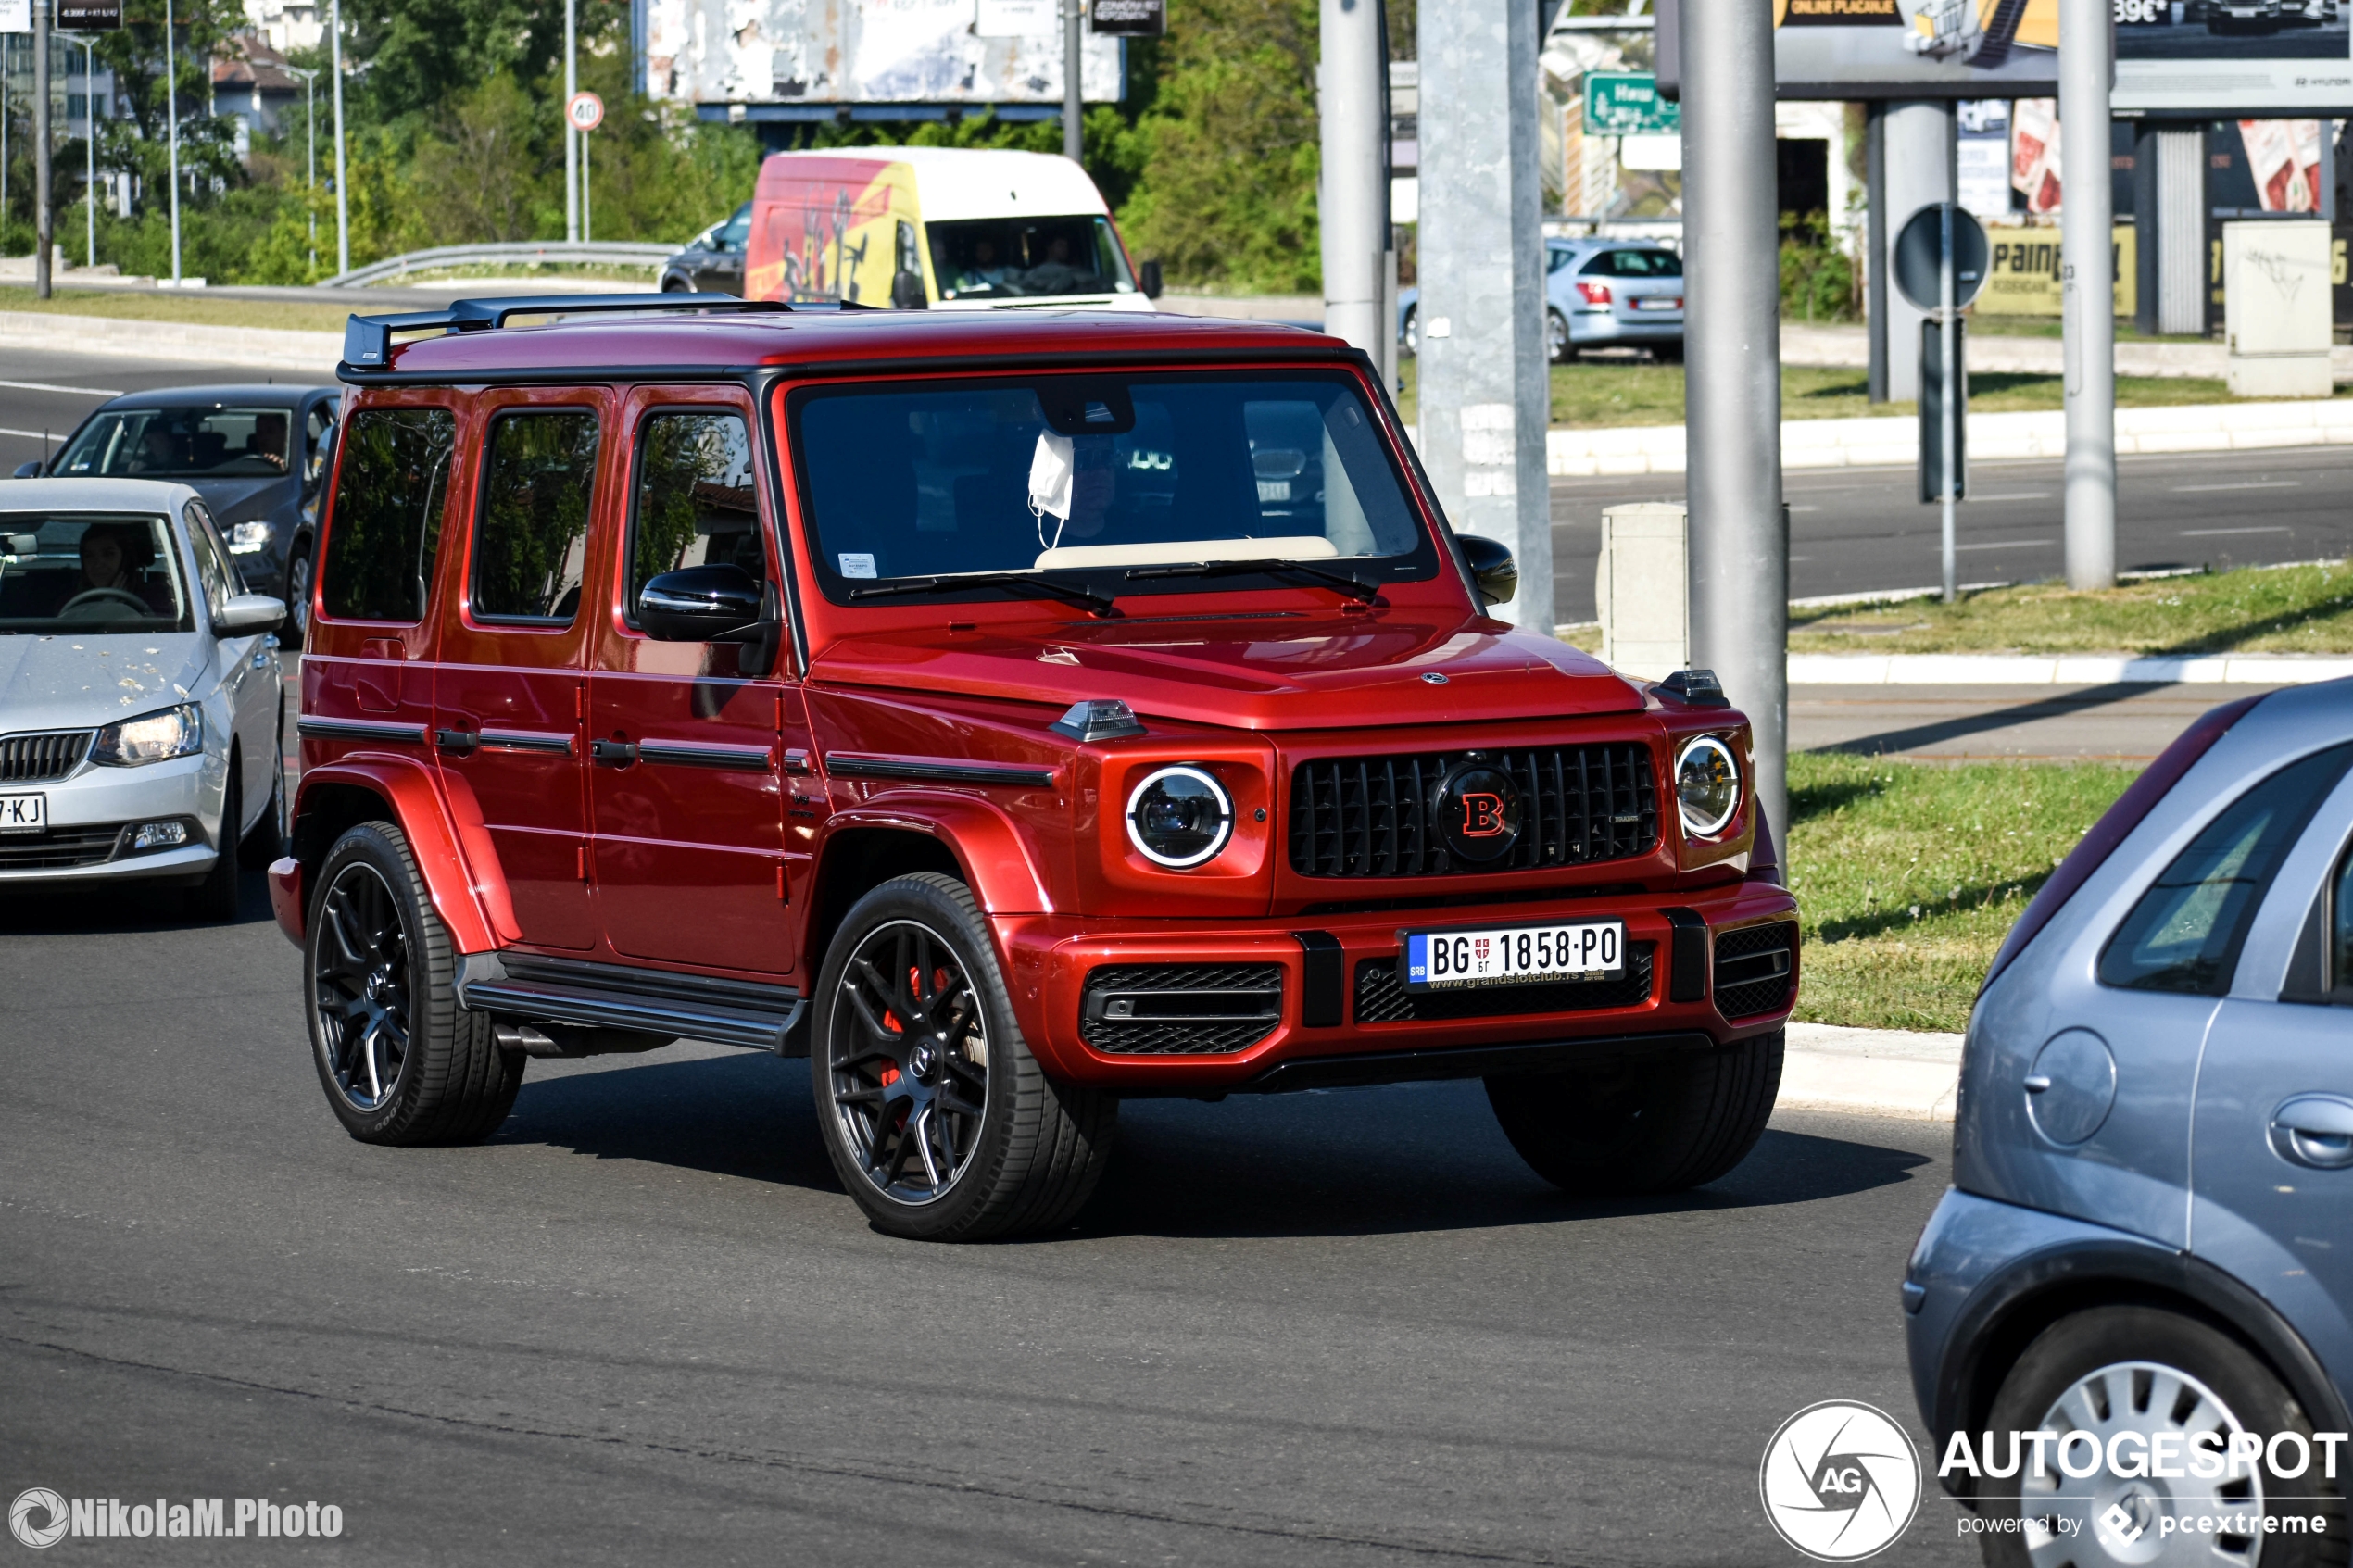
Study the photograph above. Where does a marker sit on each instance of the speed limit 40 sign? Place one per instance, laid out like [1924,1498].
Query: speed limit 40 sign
[585,110]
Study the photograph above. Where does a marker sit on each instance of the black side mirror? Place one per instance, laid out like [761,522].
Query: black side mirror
[30,470]
[1148,279]
[1491,566]
[906,291]
[700,604]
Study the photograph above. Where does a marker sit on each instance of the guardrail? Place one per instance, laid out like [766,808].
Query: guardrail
[570,253]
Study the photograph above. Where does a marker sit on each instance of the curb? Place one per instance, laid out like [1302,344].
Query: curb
[260,348]
[1849,348]
[2067,669]
[1895,440]
[1891,1073]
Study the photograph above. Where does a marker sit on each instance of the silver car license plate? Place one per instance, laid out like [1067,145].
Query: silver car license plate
[1518,955]
[23,813]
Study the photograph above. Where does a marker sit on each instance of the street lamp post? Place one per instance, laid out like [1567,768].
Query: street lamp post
[342,167]
[171,113]
[90,147]
[1074,100]
[44,220]
[571,137]
[310,150]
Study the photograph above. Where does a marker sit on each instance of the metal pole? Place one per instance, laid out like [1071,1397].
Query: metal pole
[1354,116]
[1875,279]
[90,148]
[44,220]
[1732,382]
[342,167]
[2087,259]
[171,112]
[1074,99]
[587,221]
[1948,394]
[310,156]
[571,137]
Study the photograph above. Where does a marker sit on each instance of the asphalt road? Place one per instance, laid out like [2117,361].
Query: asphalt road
[644,1322]
[1856,530]
[43,395]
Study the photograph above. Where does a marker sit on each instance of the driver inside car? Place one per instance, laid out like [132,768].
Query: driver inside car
[115,558]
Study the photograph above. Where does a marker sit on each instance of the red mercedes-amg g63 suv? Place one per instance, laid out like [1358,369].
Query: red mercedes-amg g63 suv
[1011,713]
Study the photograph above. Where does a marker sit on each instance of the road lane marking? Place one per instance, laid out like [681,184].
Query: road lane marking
[2219,533]
[2015,495]
[45,386]
[34,434]
[2007,545]
[2242,485]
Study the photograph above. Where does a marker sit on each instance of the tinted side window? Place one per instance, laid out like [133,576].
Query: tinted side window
[694,504]
[531,544]
[2185,933]
[2341,930]
[1557,259]
[385,525]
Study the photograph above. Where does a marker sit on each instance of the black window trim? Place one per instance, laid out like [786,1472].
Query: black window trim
[647,413]
[550,624]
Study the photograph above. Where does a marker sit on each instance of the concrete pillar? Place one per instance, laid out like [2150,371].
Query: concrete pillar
[1732,382]
[1352,203]
[2087,70]
[1920,149]
[2180,230]
[1485,394]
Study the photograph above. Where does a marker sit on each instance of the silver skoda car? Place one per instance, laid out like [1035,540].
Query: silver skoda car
[140,698]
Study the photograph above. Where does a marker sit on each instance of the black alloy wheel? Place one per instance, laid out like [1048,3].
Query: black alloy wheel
[910,1058]
[360,984]
[298,584]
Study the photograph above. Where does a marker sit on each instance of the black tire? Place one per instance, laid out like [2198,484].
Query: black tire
[267,839]
[1667,353]
[1654,1124]
[1409,333]
[215,898]
[300,572]
[1033,1156]
[1559,347]
[2076,1348]
[374,954]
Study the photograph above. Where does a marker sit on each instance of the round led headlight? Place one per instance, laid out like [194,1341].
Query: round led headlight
[1708,786]
[1179,817]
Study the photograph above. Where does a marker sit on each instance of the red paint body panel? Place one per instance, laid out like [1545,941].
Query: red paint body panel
[286,897]
[463,898]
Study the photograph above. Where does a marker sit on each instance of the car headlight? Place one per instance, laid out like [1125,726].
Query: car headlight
[1708,786]
[151,737]
[1179,817]
[248,537]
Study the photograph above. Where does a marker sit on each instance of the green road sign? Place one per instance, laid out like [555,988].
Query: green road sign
[1627,104]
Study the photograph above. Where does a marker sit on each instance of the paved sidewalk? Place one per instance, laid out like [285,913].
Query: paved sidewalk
[1850,348]
[1871,1072]
[1953,723]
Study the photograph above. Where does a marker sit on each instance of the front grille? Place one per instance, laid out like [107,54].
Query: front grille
[1382,997]
[1370,816]
[40,759]
[1753,968]
[1180,1009]
[58,848]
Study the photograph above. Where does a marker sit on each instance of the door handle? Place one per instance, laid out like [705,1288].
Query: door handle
[459,741]
[2314,1130]
[619,753]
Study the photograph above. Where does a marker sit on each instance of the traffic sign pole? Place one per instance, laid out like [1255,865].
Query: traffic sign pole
[1950,403]
[1939,265]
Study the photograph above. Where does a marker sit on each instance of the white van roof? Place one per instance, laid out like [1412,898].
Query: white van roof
[955,182]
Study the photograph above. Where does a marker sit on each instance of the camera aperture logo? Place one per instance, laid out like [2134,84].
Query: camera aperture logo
[40,1517]
[1841,1481]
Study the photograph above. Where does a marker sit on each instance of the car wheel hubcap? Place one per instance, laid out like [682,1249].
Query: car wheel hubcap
[909,1062]
[298,590]
[361,988]
[2104,1517]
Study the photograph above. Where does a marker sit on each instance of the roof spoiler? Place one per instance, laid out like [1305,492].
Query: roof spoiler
[367,339]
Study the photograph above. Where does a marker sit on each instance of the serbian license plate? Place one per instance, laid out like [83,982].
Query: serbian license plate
[1520,955]
[23,813]
[1659,302]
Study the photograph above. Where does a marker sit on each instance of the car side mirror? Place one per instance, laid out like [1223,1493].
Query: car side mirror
[247,613]
[1491,566]
[1148,279]
[699,604]
[906,291]
[30,470]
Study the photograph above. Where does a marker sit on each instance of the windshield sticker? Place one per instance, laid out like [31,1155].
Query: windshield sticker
[856,565]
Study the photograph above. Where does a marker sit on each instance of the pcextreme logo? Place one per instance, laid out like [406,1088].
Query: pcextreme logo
[1841,1481]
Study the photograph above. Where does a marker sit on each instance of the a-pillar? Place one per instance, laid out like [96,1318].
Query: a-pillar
[1484,390]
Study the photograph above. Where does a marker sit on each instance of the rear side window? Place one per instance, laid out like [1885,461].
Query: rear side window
[385,525]
[2341,929]
[1635,264]
[2185,933]
[694,505]
[531,545]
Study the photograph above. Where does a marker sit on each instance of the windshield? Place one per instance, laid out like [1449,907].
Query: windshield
[181,443]
[89,571]
[1105,475]
[1027,258]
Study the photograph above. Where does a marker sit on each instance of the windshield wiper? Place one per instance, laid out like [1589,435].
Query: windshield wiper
[1356,587]
[1073,592]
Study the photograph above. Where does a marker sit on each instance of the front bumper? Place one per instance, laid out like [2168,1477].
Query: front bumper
[92,814]
[1336,970]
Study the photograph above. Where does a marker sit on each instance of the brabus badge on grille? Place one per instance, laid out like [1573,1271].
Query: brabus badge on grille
[1477,809]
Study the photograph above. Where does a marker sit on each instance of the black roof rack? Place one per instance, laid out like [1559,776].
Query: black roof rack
[367,339]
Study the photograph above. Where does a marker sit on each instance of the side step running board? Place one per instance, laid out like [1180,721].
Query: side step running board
[764,1018]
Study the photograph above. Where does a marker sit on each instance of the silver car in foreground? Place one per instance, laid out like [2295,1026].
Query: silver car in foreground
[140,700]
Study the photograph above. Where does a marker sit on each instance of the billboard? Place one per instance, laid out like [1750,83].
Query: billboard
[2233,55]
[790,53]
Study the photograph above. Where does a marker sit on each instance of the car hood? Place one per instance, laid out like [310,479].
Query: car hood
[235,500]
[67,681]
[1337,673]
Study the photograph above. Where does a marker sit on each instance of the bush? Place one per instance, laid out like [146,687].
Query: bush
[1817,278]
